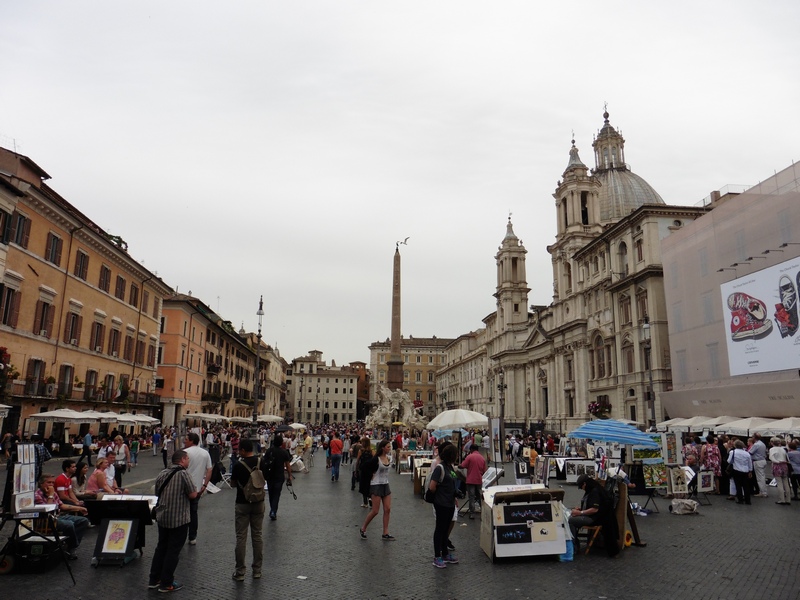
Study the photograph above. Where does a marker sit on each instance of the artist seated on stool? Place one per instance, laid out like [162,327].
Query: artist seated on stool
[589,511]
[71,520]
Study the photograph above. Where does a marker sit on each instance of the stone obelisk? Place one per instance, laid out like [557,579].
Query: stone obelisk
[395,362]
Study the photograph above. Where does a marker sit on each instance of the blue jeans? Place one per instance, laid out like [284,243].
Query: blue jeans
[165,557]
[73,527]
[336,460]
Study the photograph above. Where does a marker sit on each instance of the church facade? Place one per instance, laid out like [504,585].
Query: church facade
[601,346]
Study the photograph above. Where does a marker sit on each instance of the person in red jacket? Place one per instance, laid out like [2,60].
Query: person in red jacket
[475,465]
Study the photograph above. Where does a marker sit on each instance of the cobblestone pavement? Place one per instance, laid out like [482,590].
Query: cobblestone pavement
[313,550]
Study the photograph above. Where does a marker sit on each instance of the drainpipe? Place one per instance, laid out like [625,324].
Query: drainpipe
[63,296]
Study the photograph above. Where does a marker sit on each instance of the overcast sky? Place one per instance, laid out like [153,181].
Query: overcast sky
[282,148]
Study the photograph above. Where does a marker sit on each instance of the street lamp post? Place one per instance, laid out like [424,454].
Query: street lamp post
[257,382]
[649,355]
[300,407]
[501,396]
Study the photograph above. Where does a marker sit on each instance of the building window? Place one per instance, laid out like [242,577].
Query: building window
[9,306]
[419,359]
[568,369]
[430,376]
[639,251]
[43,319]
[418,377]
[5,227]
[641,305]
[81,265]
[72,328]
[119,290]
[53,251]
[145,300]
[140,351]
[133,298]
[20,230]
[128,354]
[623,260]
[625,310]
[97,337]
[110,389]
[627,357]
[599,359]
[156,307]
[105,279]
[151,355]
[113,342]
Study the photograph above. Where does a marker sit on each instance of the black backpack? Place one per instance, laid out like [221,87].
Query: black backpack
[270,460]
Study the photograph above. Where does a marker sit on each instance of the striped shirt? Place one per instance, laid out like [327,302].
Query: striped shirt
[173,505]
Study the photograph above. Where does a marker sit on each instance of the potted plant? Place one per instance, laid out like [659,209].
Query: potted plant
[600,409]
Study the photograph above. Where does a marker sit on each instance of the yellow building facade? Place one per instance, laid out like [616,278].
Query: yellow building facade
[79,316]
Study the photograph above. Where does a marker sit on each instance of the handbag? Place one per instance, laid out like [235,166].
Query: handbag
[729,468]
[430,495]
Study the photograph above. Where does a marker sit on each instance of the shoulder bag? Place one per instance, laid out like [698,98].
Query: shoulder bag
[154,510]
[729,468]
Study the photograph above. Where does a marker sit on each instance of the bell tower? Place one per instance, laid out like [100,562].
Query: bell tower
[512,286]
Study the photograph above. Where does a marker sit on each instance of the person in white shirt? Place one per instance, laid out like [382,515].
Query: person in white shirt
[199,469]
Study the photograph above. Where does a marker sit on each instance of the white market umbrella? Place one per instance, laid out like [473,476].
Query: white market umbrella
[787,425]
[297,426]
[665,424]
[137,419]
[103,417]
[60,415]
[712,422]
[4,408]
[205,417]
[743,426]
[240,420]
[269,418]
[690,424]
[458,418]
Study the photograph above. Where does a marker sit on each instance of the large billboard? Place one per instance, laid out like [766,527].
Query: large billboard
[761,313]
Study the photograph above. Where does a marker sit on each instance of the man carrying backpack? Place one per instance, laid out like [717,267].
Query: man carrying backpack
[277,460]
[249,475]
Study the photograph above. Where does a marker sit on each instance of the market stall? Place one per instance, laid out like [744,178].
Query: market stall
[522,520]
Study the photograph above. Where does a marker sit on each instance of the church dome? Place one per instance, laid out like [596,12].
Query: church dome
[622,190]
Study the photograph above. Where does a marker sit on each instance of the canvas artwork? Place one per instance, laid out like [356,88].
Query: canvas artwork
[678,480]
[671,445]
[562,447]
[649,455]
[705,481]
[27,476]
[572,468]
[655,476]
[118,534]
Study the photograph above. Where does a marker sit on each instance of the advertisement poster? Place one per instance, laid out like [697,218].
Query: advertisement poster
[760,312]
